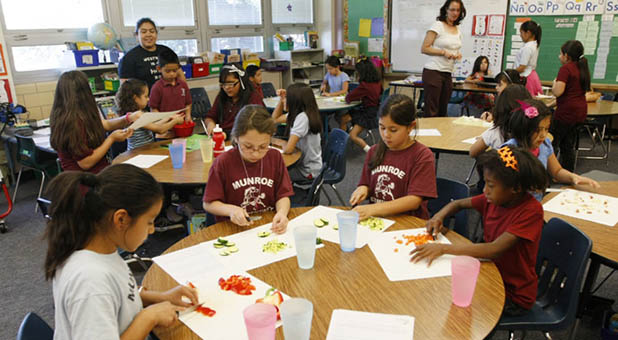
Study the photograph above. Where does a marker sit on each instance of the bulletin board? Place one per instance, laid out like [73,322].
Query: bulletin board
[372,14]
[598,33]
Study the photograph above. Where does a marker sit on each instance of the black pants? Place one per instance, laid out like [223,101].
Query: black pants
[438,87]
[565,135]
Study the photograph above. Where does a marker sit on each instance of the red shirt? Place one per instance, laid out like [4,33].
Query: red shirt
[517,265]
[231,110]
[69,162]
[402,173]
[166,97]
[265,182]
[368,93]
[572,107]
[258,89]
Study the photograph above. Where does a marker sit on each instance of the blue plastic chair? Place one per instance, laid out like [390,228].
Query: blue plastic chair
[268,89]
[449,190]
[334,160]
[563,253]
[201,103]
[34,328]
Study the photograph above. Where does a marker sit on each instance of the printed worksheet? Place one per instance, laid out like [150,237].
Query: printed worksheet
[145,161]
[586,206]
[189,264]
[354,325]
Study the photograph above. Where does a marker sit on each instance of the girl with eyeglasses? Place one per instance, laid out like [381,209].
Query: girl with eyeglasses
[236,92]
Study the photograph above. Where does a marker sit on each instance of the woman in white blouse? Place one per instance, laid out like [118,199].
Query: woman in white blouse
[442,44]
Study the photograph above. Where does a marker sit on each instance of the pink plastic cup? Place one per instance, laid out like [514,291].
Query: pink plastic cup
[183,142]
[260,319]
[465,270]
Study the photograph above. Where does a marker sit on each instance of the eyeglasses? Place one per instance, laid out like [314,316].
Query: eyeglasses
[228,85]
[260,149]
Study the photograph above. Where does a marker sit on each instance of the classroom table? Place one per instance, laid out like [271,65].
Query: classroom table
[457,86]
[604,244]
[356,281]
[604,110]
[194,171]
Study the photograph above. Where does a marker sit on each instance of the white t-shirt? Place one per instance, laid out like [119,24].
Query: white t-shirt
[309,144]
[95,297]
[528,55]
[445,41]
[492,137]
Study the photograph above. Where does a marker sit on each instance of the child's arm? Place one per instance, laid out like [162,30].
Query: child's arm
[278,113]
[435,224]
[406,203]
[98,153]
[477,148]
[290,146]
[558,88]
[344,90]
[280,221]
[120,122]
[160,314]
[188,117]
[173,295]
[163,127]
[236,214]
[472,79]
[563,175]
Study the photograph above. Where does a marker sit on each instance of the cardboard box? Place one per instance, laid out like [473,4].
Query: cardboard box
[233,58]
[246,63]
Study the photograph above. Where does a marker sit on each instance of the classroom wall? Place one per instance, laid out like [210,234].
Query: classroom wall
[37,98]
[325,24]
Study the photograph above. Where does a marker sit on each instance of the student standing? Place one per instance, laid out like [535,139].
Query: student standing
[399,173]
[570,87]
[442,44]
[526,58]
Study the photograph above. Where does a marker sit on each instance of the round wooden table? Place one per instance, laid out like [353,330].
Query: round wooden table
[452,135]
[603,108]
[356,281]
[194,170]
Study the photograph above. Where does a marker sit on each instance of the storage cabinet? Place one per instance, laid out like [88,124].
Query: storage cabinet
[306,66]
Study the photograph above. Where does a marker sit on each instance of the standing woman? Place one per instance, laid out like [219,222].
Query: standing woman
[442,44]
[526,58]
[142,60]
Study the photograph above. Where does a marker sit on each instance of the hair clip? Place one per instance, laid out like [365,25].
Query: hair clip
[529,110]
[241,73]
[506,154]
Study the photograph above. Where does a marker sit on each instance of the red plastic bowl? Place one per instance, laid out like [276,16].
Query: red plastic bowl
[184,130]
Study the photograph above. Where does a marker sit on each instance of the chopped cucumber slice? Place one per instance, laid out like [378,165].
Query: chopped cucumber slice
[320,222]
[335,226]
[230,244]
[232,249]
[224,253]
[263,234]
[221,240]
[218,245]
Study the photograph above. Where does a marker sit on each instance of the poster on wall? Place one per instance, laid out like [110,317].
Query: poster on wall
[3,71]
[5,91]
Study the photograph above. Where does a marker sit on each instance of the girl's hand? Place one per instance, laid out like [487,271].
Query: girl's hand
[429,251]
[359,195]
[178,119]
[580,180]
[281,93]
[364,211]
[434,226]
[240,216]
[121,135]
[163,313]
[280,223]
[210,127]
[133,116]
[449,55]
[487,116]
[175,295]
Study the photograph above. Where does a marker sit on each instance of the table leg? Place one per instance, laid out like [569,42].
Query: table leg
[437,159]
[591,276]
[9,160]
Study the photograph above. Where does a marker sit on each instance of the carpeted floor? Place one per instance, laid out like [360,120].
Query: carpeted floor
[22,250]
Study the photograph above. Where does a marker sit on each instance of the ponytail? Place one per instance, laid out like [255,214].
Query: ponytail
[81,201]
[575,51]
[535,29]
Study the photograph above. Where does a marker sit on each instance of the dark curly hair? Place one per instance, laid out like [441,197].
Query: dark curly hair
[124,97]
[444,8]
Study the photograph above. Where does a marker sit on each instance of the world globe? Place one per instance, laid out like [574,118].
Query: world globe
[102,35]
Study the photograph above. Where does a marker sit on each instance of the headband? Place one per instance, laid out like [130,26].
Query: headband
[241,73]
[529,110]
[507,77]
[509,160]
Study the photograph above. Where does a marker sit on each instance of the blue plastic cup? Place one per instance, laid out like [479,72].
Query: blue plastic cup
[176,154]
[348,223]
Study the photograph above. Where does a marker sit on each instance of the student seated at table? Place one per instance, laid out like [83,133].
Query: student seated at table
[236,92]
[302,129]
[254,73]
[504,79]
[480,70]
[528,127]
[251,177]
[335,82]
[132,96]
[78,128]
[399,173]
[95,293]
[512,221]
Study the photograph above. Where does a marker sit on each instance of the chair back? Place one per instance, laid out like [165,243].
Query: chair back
[34,328]
[27,152]
[385,94]
[58,165]
[449,190]
[352,86]
[268,89]
[563,253]
[44,205]
[201,103]
[334,156]
[313,196]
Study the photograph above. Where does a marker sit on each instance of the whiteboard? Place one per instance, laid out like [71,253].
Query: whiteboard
[410,20]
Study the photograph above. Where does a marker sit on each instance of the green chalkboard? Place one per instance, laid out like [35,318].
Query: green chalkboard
[363,9]
[556,31]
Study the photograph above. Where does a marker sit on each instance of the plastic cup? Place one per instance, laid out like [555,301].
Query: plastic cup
[348,223]
[296,314]
[176,154]
[206,149]
[260,319]
[465,270]
[183,142]
[304,238]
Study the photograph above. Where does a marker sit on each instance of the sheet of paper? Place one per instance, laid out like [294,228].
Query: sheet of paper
[228,322]
[394,257]
[375,44]
[43,131]
[151,117]
[355,325]
[471,121]
[364,28]
[189,264]
[377,27]
[426,132]
[250,254]
[363,235]
[471,140]
[586,206]
[145,161]
[40,140]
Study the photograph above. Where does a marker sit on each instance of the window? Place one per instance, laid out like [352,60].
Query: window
[254,43]
[292,11]
[234,12]
[35,58]
[185,47]
[51,14]
[163,13]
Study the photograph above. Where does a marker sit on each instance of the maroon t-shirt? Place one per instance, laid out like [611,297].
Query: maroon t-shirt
[231,110]
[166,97]
[368,93]
[517,265]
[265,182]
[411,171]
[571,105]
[69,162]
[258,89]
